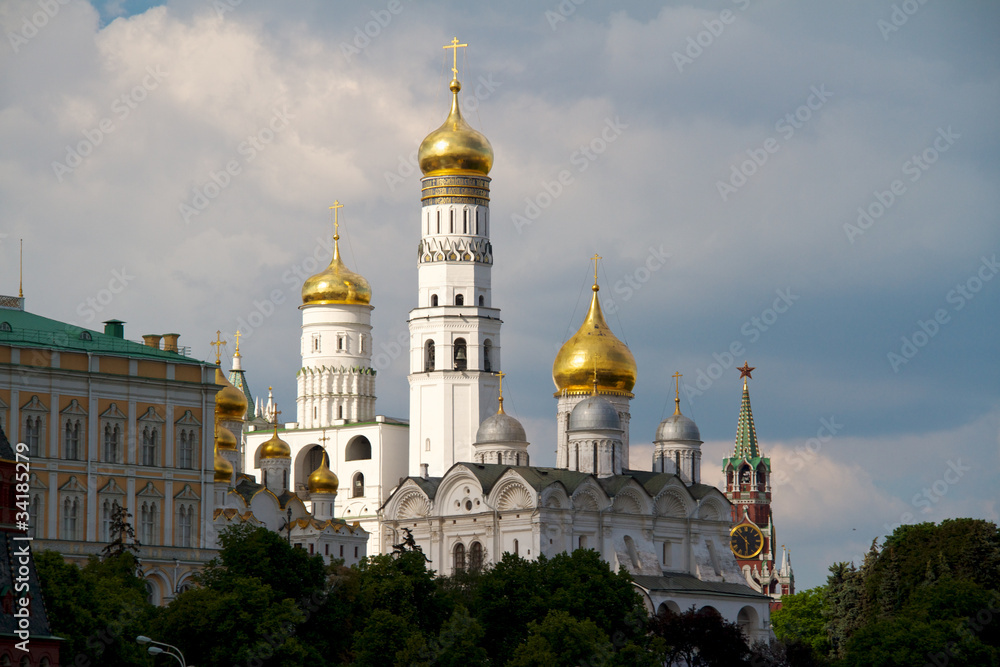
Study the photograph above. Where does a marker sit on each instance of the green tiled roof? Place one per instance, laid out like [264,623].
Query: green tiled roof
[681,582]
[30,330]
[238,378]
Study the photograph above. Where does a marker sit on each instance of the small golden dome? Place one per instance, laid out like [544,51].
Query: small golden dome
[230,403]
[594,348]
[276,448]
[455,148]
[223,469]
[336,284]
[322,479]
[224,439]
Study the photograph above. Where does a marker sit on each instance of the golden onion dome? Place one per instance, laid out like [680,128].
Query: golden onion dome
[276,448]
[336,284]
[455,148]
[594,349]
[224,439]
[230,403]
[322,479]
[223,469]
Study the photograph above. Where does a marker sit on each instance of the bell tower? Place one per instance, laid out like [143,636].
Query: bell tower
[454,330]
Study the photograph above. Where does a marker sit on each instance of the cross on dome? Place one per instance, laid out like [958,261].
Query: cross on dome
[454,46]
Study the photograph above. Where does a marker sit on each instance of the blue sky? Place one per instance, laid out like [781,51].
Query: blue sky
[740,139]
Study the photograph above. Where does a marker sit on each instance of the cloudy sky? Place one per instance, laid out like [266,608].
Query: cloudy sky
[820,180]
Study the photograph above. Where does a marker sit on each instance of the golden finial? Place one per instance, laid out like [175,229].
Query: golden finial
[677,392]
[336,219]
[454,46]
[276,414]
[745,372]
[238,334]
[596,357]
[217,344]
[595,258]
[500,375]
[20,273]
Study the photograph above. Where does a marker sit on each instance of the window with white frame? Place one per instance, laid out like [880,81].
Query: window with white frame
[112,443]
[147,524]
[72,521]
[32,432]
[185,523]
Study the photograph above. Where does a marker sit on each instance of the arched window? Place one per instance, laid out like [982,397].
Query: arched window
[459,555]
[459,299]
[429,356]
[32,431]
[71,509]
[482,300]
[761,478]
[633,553]
[72,450]
[476,557]
[112,435]
[451,218]
[5,326]
[147,519]
[477,220]
[185,518]
[340,412]
[745,475]
[34,516]
[461,355]
[358,486]
[148,446]
[434,300]
[465,221]
[515,548]
[358,449]
[185,453]
[487,354]
[439,222]
[106,509]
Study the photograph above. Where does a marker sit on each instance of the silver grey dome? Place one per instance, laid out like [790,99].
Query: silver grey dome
[501,427]
[594,413]
[677,427]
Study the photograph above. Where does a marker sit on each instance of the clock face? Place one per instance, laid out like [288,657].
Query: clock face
[746,541]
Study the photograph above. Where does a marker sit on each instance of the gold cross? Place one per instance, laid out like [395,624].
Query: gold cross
[277,413]
[595,258]
[238,334]
[454,61]
[324,438]
[217,344]
[336,221]
[677,380]
[501,375]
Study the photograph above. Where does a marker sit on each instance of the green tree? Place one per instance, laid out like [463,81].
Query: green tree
[560,640]
[699,639]
[123,535]
[98,609]
[800,619]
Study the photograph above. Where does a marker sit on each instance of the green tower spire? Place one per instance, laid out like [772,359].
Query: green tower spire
[746,433]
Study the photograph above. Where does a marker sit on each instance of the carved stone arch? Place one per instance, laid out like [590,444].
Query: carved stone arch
[627,501]
[711,510]
[413,505]
[670,503]
[554,497]
[585,499]
[514,496]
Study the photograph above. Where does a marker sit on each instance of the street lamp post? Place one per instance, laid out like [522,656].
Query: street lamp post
[172,651]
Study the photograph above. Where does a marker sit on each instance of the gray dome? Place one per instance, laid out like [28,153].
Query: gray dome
[594,413]
[501,427]
[677,427]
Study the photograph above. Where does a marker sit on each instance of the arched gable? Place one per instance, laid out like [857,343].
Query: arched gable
[590,496]
[554,496]
[459,492]
[713,508]
[513,495]
[632,499]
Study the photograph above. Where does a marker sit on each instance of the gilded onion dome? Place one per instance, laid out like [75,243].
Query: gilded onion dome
[455,148]
[223,469]
[322,479]
[230,403]
[336,284]
[225,441]
[276,448]
[594,348]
